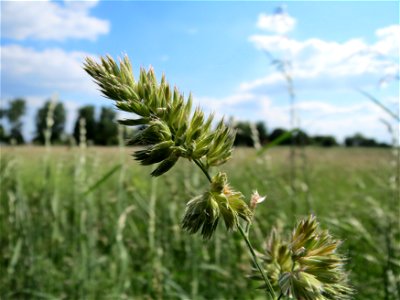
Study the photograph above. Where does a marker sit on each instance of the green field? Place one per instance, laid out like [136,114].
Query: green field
[67,234]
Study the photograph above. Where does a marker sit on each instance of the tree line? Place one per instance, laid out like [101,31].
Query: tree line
[51,117]
[249,134]
[102,129]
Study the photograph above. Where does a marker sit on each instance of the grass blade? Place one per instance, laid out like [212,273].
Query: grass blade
[102,179]
[377,102]
[15,257]
[277,141]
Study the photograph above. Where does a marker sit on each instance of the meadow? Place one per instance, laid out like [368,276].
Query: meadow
[93,224]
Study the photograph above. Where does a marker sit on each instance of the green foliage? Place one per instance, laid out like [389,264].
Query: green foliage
[282,135]
[15,136]
[324,141]
[358,140]
[16,109]
[3,136]
[172,130]
[3,113]
[56,243]
[57,119]
[102,131]
[88,113]
[106,128]
[243,135]
[289,137]
[262,132]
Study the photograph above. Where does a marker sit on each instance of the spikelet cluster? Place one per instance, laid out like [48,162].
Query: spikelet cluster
[172,130]
[307,266]
[203,212]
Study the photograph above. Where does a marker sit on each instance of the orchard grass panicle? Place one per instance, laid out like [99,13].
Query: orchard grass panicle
[172,131]
[220,200]
[306,267]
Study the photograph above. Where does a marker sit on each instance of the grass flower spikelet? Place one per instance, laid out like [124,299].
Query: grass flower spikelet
[203,212]
[307,266]
[172,130]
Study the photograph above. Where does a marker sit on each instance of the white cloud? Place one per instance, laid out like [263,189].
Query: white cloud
[316,117]
[279,22]
[316,63]
[219,104]
[25,69]
[388,43]
[47,20]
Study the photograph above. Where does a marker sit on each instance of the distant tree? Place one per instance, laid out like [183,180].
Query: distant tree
[278,132]
[384,145]
[3,135]
[324,141]
[301,138]
[107,128]
[88,113]
[16,136]
[262,132]
[58,117]
[358,140]
[243,135]
[16,109]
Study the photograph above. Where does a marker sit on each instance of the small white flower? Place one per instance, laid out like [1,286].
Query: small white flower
[256,199]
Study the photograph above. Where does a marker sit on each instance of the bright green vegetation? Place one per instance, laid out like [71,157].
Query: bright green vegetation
[94,224]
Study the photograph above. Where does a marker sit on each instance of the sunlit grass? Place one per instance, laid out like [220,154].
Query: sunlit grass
[57,242]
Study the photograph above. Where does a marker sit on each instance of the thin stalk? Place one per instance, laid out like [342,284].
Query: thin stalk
[269,288]
[152,215]
[247,229]
[201,166]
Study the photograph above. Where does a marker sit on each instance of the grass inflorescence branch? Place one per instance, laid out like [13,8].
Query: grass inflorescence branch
[307,267]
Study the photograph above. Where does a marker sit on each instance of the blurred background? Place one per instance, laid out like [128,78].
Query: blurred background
[311,87]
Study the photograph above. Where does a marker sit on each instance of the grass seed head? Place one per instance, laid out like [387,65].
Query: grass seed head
[165,113]
[307,265]
[203,212]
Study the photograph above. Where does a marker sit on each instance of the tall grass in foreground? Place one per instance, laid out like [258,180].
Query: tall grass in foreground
[58,243]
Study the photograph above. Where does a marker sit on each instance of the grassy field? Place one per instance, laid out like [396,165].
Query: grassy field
[67,234]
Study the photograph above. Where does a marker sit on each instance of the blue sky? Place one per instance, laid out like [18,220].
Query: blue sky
[216,50]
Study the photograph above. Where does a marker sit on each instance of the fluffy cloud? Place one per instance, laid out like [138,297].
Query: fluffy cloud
[280,22]
[320,64]
[317,117]
[315,64]
[25,70]
[47,20]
